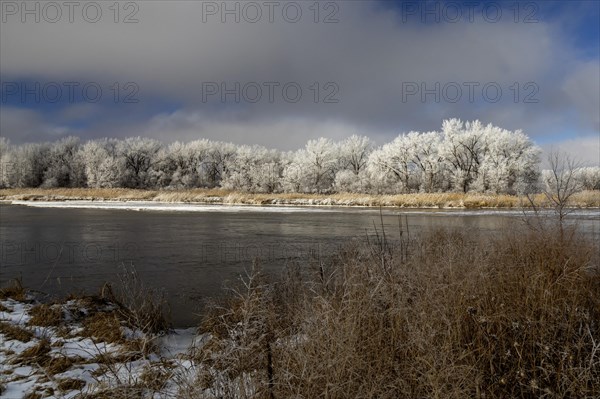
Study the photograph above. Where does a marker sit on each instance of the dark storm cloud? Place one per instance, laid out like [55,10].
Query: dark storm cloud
[366,64]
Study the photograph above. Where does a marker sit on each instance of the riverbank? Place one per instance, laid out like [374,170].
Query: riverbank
[585,199]
[85,346]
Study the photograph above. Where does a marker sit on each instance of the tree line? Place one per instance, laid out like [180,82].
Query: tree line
[462,156]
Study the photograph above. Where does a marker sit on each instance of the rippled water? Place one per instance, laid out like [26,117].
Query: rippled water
[192,250]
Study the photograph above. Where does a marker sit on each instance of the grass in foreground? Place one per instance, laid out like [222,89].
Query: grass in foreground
[80,347]
[452,316]
[217,196]
[445,314]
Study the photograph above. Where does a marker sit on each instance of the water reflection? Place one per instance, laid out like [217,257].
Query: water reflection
[192,254]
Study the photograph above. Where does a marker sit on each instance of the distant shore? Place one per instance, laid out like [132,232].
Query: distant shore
[585,199]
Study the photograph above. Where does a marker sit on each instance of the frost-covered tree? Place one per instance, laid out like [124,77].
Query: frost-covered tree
[254,169]
[193,158]
[463,156]
[5,165]
[411,162]
[381,172]
[427,159]
[165,171]
[220,159]
[463,148]
[588,177]
[139,155]
[65,167]
[353,154]
[313,168]
[292,176]
[103,167]
[510,162]
[347,181]
[26,165]
[393,163]
[183,165]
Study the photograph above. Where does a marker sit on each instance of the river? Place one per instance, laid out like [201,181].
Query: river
[191,251]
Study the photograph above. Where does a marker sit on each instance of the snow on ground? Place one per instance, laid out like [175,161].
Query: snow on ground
[62,360]
[158,206]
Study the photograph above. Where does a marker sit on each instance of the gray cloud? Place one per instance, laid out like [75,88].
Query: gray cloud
[24,125]
[582,89]
[370,54]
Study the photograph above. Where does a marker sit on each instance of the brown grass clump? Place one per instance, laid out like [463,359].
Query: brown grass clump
[154,378]
[15,332]
[121,392]
[454,316]
[586,199]
[70,384]
[103,326]
[16,291]
[241,337]
[139,347]
[59,365]
[46,316]
[141,307]
[37,354]
[48,194]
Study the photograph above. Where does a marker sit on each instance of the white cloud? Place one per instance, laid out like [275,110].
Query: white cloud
[585,150]
[286,134]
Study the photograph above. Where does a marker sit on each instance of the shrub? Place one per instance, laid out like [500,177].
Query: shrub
[455,315]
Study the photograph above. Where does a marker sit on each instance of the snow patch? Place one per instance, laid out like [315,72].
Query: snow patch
[169,207]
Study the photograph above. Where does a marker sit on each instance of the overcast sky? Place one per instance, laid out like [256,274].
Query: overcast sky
[286,72]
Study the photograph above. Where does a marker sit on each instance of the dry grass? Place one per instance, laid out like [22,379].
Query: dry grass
[141,307]
[588,198]
[218,196]
[59,365]
[103,319]
[122,392]
[454,316]
[70,384]
[16,291]
[15,332]
[41,194]
[103,327]
[134,305]
[46,315]
[139,347]
[154,378]
[35,355]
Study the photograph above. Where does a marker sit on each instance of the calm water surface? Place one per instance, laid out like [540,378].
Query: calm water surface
[191,254]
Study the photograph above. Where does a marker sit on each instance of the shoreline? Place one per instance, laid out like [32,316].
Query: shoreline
[585,199]
[153,206]
[77,346]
